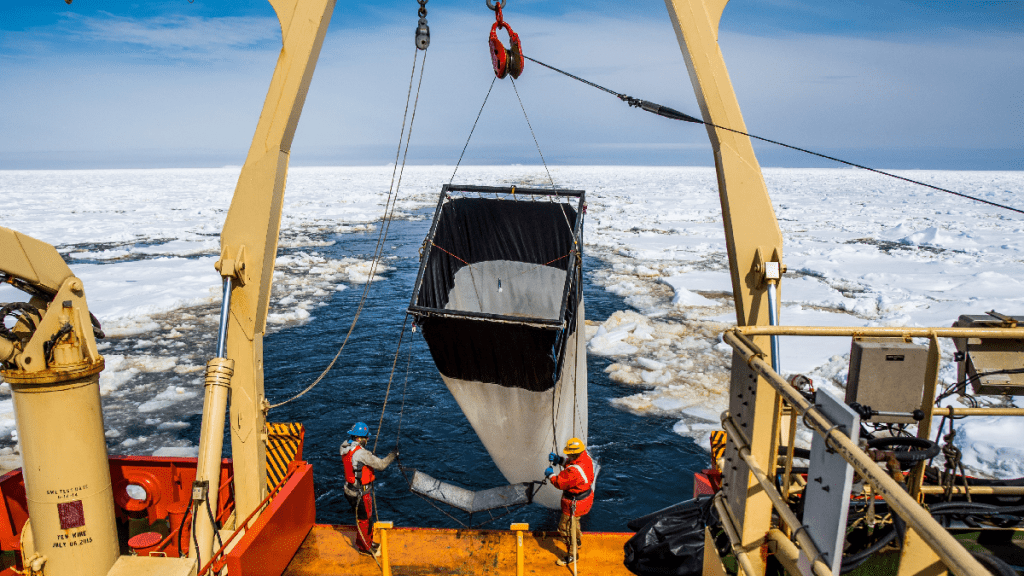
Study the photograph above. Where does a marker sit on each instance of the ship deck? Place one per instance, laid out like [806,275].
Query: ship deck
[425,551]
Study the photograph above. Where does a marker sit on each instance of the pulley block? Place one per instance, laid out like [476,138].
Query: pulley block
[506,61]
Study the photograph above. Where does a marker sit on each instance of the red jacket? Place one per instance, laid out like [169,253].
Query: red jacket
[576,481]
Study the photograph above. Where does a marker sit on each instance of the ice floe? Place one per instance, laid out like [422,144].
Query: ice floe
[861,250]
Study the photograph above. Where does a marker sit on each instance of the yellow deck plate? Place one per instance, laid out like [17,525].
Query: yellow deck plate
[425,551]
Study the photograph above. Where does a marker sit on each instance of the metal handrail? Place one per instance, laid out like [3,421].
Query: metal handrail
[948,549]
[743,449]
[882,331]
[225,512]
[244,526]
[729,525]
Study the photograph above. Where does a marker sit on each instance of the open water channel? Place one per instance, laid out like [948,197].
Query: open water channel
[644,465]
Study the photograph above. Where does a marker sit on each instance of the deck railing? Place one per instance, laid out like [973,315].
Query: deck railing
[944,546]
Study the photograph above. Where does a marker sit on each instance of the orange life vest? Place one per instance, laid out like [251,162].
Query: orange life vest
[354,471]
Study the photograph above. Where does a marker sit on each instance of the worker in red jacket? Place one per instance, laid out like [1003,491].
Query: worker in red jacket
[576,483]
[360,464]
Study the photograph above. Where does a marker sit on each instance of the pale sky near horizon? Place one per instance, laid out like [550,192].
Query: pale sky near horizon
[893,84]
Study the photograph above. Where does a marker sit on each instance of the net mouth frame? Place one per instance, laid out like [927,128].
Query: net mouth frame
[511,194]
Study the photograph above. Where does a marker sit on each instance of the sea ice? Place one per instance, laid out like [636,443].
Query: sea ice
[861,250]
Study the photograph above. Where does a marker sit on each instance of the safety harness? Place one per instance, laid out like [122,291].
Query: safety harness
[358,477]
[576,496]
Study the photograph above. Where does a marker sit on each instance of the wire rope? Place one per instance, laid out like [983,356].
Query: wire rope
[391,378]
[389,212]
[676,115]
[491,87]
[530,126]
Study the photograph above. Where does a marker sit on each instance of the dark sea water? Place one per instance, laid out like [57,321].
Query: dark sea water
[644,465]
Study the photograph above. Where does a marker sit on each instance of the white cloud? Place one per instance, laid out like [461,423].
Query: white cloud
[191,83]
[178,35]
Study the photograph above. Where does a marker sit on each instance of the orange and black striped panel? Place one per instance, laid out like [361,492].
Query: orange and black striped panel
[284,444]
[718,441]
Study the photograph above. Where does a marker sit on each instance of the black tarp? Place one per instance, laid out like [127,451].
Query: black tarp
[472,230]
[521,347]
[670,542]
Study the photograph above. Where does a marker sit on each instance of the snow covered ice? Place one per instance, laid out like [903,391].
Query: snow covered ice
[861,250]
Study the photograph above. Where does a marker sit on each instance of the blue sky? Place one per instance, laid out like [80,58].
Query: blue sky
[893,84]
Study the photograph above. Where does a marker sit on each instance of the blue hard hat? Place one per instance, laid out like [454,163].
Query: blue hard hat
[359,429]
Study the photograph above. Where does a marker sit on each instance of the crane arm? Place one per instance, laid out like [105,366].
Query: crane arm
[753,241]
[30,263]
[54,335]
[248,251]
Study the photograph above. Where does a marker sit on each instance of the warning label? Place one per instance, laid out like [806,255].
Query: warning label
[71,515]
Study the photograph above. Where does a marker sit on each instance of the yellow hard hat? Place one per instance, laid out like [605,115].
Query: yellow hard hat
[574,446]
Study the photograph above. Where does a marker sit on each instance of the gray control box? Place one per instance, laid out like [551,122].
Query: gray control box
[991,365]
[887,374]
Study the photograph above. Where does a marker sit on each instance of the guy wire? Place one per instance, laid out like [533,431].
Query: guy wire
[676,115]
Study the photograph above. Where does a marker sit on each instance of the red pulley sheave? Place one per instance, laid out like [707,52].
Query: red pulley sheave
[509,60]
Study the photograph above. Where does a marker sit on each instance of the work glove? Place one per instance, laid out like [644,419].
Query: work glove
[392,454]
[549,471]
[552,457]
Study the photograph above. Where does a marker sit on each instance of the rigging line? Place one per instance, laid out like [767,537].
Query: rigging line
[391,378]
[554,405]
[676,115]
[531,132]
[572,232]
[450,254]
[862,167]
[408,136]
[452,179]
[405,388]
[576,352]
[381,239]
[386,224]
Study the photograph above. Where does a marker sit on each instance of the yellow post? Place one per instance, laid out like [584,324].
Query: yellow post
[712,561]
[917,558]
[381,528]
[520,561]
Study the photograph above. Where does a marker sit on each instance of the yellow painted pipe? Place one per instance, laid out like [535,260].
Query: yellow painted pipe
[881,331]
[729,524]
[977,490]
[211,445]
[786,552]
[951,411]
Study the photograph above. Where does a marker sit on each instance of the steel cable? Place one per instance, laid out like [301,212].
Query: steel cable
[389,213]
[676,115]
